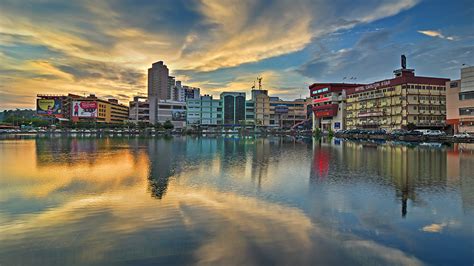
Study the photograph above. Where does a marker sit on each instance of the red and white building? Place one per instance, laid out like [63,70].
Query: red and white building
[329,104]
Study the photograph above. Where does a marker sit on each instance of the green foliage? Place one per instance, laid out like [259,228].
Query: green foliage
[168,125]
[317,132]
[411,126]
[330,133]
[158,126]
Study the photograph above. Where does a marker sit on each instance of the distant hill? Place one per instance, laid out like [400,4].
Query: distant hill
[21,113]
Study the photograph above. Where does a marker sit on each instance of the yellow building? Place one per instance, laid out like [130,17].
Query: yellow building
[396,103]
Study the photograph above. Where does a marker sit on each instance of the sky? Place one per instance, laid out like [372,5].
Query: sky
[105,47]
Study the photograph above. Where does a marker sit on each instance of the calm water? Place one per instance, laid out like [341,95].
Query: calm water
[228,201]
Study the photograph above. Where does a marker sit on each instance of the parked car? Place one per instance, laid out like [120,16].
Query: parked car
[462,135]
[414,133]
[435,133]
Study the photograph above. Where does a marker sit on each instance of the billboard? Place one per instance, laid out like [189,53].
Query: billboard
[178,115]
[48,106]
[84,109]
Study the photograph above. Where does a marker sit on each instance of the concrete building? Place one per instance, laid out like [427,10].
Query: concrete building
[329,105]
[288,114]
[460,102]
[172,111]
[158,81]
[404,101]
[261,107]
[77,108]
[204,112]
[233,107]
[158,88]
[139,110]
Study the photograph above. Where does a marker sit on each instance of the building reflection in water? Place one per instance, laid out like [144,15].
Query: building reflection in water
[406,168]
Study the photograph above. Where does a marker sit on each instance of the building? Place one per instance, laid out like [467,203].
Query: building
[139,110]
[204,112]
[233,107]
[288,114]
[182,93]
[261,107]
[460,102]
[158,81]
[77,108]
[401,102]
[172,111]
[158,88]
[329,105]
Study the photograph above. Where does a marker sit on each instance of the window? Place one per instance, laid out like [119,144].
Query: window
[466,111]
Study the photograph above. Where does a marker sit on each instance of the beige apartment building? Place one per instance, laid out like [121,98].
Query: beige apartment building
[406,100]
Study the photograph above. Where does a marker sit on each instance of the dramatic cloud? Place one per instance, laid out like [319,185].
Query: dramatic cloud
[438,34]
[105,47]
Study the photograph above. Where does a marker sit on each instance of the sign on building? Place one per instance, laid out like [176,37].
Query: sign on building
[48,106]
[84,109]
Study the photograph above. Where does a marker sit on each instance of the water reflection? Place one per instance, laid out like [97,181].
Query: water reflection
[204,200]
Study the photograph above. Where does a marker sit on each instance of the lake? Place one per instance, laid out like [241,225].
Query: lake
[234,201]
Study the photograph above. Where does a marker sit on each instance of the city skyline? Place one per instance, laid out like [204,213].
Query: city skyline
[106,48]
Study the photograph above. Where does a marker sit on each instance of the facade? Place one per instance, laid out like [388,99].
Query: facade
[139,110]
[233,107]
[329,105]
[172,111]
[460,102]
[205,111]
[158,88]
[77,108]
[158,81]
[261,107]
[287,114]
[404,101]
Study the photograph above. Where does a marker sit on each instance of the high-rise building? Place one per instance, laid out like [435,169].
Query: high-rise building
[158,81]
[158,88]
[460,102]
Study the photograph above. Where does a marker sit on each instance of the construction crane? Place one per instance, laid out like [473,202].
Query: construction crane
[259,79]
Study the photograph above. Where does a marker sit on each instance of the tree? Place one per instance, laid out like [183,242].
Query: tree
[411,126]
[168,125]
[158,126]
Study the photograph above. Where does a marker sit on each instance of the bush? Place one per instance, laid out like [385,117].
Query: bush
[168,125]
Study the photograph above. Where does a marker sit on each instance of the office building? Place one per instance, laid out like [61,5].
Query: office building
[460,102]
[204,112]
[233,107]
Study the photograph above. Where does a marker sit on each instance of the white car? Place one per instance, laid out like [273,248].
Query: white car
[462,135]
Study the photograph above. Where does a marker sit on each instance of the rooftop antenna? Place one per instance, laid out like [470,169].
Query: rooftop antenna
[253,87]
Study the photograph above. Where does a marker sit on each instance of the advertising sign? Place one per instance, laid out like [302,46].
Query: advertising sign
[321,100]
[84,109]
[48,106]
[178,115]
